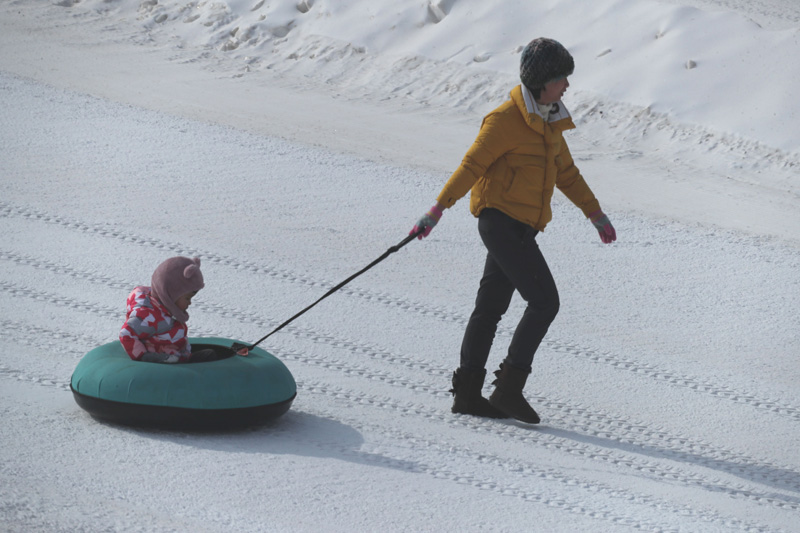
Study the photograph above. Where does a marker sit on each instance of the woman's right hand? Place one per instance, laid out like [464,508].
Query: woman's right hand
[427,222]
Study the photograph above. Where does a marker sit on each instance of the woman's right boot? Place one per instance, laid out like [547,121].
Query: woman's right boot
[467,385]
[508,398]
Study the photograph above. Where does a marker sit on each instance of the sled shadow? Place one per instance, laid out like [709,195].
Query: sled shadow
[295,433]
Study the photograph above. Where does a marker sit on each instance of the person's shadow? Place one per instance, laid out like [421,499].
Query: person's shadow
[761,473]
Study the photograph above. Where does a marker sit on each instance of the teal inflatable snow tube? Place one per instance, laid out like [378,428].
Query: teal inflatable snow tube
[234,391]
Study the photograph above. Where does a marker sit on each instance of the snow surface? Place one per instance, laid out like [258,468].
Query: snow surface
[290,143]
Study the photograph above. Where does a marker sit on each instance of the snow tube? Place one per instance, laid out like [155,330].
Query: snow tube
[235,391]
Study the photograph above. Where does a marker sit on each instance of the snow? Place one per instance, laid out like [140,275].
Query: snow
[290,143]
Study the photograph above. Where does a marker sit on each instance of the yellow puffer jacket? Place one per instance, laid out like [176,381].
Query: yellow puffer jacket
[516,162]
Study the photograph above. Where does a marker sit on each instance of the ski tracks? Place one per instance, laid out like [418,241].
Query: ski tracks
[524,480]
[611,360]
[519,479]
[597,437]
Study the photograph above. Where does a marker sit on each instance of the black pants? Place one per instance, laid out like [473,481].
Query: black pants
[514,262]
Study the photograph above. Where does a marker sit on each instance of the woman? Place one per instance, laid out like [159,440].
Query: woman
[511,169]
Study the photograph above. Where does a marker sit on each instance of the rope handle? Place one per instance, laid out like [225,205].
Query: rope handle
[243,349]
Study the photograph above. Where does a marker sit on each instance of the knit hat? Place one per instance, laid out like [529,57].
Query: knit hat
[544,60]
[172,279]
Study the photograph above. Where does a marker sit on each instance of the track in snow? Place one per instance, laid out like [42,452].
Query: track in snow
[616,442]
[694,383]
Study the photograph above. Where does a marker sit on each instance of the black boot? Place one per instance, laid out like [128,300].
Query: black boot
[508,398]
[467,385]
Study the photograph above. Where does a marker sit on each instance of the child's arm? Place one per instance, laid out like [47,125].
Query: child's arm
[134,339]
[134,334]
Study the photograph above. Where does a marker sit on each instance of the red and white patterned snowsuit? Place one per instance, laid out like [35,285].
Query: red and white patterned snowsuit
[149,328]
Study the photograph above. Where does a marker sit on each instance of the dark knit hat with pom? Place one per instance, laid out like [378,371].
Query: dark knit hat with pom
[174,278]
[544,60]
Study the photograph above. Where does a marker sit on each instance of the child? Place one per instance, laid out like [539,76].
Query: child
[519,157]
[155,323]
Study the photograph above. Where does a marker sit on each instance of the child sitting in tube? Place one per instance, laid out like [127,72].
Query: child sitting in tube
[155,328]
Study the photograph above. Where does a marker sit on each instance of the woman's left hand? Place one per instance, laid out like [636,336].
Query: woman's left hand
[607,232]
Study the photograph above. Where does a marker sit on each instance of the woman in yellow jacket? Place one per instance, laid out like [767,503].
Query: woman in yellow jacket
[511,169]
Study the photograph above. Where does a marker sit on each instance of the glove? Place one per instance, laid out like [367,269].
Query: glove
[604,227]
[428,221]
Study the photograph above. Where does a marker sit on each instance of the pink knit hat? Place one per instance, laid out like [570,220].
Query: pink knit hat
[172,279]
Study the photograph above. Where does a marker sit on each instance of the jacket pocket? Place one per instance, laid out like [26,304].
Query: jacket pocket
[527,186]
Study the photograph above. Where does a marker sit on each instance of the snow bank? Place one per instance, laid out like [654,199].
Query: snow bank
[716,70]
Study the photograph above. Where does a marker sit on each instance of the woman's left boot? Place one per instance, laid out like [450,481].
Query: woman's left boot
[508,398]
[467,385]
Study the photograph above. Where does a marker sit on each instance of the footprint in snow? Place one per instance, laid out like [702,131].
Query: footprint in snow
[439,9]
[304,6]
[280,31]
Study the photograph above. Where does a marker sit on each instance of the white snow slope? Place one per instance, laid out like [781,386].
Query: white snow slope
[290,143]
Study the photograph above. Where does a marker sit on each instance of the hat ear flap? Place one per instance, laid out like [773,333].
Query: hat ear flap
[192,268]
[190,271]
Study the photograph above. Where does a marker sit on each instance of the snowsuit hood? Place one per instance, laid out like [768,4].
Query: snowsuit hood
[172,279]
